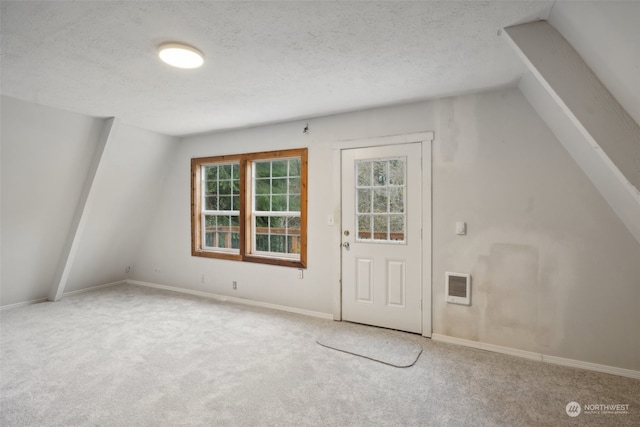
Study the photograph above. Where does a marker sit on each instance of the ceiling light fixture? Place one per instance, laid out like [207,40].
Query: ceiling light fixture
[181,55]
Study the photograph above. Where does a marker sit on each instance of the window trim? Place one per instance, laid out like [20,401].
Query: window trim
[245,251]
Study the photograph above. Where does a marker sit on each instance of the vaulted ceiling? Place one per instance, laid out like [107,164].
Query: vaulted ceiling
[265,62]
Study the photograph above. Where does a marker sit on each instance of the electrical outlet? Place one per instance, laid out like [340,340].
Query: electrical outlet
[235,285]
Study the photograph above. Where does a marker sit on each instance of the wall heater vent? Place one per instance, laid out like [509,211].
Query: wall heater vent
[458,288]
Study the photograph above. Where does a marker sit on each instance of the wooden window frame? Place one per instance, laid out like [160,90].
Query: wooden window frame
[246,251]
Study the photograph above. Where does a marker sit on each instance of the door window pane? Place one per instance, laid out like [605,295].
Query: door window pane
[380,199]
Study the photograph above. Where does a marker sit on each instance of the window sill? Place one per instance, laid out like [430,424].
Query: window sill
[284,262]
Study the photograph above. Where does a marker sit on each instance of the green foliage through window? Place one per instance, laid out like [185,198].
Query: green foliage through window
[277,186]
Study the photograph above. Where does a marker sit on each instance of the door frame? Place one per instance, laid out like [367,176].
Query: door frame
[425,139]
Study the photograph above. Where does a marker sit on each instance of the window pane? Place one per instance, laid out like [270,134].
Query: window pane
[262,242]
[211,188]
[223,222]
[363,172]
[208,239]
[263,169]
[380,227]
[224,187]
[236,171]
[294,185]
[294,203]
[396,200]
[293,225]
[262,221]
[396,227]
[277,222]
[294,167]
[263,186]
[396,172]
[279,168]
[211,203]
[293,244]
[364,200]
[279,186]
[222,241]
[277,244]
[211,173]
[364,226]
[224,203]
[379,173]
[279,203]
[236,203]
[380,200]
[224,172]
[263,204]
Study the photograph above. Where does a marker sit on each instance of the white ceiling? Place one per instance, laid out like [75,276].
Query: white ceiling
[264,61]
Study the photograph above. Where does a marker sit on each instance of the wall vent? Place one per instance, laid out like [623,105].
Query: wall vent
[458,288]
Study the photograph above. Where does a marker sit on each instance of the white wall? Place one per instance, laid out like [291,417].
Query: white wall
[606,34]
[554,269]
[46,154]
[127,187]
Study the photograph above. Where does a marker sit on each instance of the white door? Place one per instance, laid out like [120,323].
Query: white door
[381,236]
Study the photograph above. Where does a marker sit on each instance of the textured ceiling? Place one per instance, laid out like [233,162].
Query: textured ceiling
[264,61]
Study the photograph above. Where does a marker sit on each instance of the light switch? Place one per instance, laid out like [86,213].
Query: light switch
[461,228]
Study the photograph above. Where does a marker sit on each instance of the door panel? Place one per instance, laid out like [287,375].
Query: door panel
[364,280]
[396,284]
[382,244]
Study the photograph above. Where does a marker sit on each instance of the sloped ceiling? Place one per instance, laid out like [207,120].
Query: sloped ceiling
[264,61]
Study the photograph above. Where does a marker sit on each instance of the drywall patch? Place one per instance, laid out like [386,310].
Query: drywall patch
[449,133]
[512,304]
[456,143]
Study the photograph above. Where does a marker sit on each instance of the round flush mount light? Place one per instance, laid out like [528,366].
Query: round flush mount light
[180,55]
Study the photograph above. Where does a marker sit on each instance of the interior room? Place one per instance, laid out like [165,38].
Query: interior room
[462,177]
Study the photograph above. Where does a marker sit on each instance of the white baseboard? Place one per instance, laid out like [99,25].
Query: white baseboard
[22,304]
[224,298]
[629,373]
[93,288]
[489,347]
[66,294]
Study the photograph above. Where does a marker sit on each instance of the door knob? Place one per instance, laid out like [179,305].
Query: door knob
[345,245]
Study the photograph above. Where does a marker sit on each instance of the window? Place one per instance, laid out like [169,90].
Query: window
[251,207]
[380,200]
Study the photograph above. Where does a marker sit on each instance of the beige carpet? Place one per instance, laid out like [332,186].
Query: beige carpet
[133,356]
